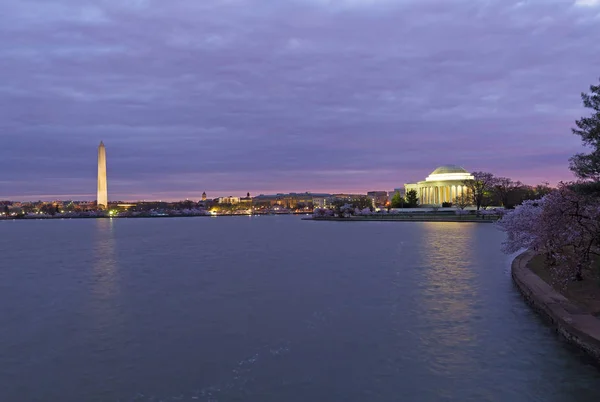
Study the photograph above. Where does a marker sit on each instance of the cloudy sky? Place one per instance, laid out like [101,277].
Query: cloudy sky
[229,96]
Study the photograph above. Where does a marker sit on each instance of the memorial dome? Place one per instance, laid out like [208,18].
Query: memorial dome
[446,169]
[449,173]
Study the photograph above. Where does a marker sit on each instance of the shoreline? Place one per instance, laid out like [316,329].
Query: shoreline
[49,218]
[403,219]
[574,323]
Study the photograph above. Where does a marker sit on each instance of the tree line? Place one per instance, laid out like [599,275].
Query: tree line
[485,190]
[564,225]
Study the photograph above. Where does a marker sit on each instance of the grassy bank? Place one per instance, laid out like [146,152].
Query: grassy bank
[585,293]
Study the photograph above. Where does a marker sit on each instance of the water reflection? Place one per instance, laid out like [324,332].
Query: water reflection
[104,278]
[447,297]
[95,316]
[105,260]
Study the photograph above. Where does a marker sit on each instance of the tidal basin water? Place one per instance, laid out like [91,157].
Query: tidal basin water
[271,308]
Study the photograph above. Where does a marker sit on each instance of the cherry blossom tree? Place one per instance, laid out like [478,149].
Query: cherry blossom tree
[564,225]
[318,212]
[521,226]
[346,211]
[569,230]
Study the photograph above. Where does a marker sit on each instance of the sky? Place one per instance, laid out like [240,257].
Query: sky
[264,96]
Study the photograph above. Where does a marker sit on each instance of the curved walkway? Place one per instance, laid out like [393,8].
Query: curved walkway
[576,324]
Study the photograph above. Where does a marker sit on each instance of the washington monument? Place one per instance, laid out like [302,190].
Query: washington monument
[102,185]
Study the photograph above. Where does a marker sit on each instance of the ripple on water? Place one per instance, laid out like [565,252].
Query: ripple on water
[272,309]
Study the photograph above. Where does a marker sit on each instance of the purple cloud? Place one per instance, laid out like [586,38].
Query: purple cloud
[229,96]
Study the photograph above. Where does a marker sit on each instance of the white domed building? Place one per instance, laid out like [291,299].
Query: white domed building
[444,184]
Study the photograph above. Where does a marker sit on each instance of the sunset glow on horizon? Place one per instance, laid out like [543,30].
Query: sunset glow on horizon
[231,97]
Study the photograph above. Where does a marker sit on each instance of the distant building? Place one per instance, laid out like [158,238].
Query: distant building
[84,205]
[204,196]
[348,197]
[444,184]
[291,200]
[228,200]
[246,200]
[126,206]
[378,198]
[396,190]
[321,201]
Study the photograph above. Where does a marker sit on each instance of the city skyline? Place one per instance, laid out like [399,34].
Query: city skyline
[103,200]
[197,194]
[250,96]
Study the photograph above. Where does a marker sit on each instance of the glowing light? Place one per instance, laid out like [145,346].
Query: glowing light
[449,176]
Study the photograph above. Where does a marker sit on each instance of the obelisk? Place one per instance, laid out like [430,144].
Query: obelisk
[102,185]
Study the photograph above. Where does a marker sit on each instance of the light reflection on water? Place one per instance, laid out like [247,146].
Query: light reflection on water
[105,265]
[449,297]
[104,281]
[105,326]
[272,309]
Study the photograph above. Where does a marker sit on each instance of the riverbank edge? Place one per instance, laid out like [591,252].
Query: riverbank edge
[400,219]
[139,217]
[576,325]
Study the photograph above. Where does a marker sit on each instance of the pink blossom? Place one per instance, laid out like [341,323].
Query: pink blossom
[564,225]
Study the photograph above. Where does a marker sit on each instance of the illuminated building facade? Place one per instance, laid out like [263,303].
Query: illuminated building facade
[228,200]
[444,184]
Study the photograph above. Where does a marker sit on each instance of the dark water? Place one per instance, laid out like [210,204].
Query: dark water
[271,309]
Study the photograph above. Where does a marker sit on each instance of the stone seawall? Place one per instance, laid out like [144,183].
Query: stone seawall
[574,323]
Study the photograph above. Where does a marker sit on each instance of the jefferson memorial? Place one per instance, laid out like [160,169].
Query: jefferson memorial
[444,184]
